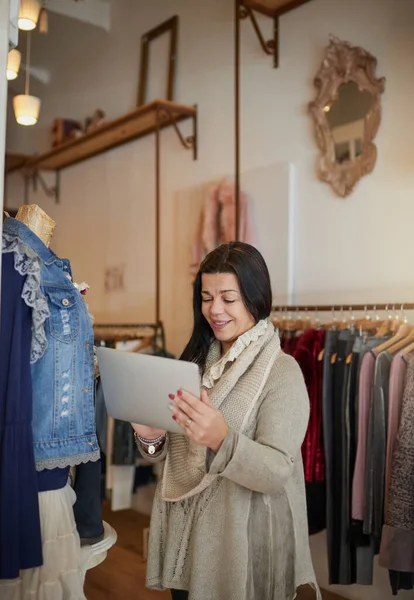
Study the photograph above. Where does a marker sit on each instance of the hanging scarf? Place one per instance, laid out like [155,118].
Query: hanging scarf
[185,471]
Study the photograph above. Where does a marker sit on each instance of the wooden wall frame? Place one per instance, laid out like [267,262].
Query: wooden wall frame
[170,26]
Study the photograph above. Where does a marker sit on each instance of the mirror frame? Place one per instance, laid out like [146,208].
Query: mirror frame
[341,64]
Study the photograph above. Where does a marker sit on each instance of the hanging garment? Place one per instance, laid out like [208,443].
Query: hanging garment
[376,448]
[20,537]
[331,345]
[341,457]
[396,393]
[289,342]
[217,223]
[397,545]
[62,576]
[306,353]
[366,380]
[88,505]
[64,428]
[363,546]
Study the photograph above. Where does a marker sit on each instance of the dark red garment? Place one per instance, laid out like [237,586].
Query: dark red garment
[289,342]
[307,351]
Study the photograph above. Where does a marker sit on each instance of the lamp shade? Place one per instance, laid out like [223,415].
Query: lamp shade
[13,64]
[26,109]
[28,14]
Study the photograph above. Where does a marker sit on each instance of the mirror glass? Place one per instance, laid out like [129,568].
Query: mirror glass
[346,118]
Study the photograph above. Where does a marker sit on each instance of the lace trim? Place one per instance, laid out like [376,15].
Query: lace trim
[27,263]
[216,371]
[68,461]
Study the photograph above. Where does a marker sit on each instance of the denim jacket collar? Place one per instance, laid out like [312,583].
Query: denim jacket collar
[26,235]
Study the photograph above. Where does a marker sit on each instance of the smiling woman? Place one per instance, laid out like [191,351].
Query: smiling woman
[232,292]
[229,518]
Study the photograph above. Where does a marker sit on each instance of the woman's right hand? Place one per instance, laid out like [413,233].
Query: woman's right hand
[149,433]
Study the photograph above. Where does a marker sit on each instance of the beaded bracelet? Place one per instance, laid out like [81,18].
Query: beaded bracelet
[152,446]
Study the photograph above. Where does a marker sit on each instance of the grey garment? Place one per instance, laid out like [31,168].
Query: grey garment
[346,343]
[363,345]
[364,553]
[331,343]
[377,448]
[365,563]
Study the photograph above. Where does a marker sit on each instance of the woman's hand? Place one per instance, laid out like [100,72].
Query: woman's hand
[149,433]
[200,420]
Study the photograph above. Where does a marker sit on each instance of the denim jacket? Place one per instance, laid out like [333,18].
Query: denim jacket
[64,429]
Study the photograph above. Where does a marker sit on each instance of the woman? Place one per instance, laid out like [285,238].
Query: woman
[229,518]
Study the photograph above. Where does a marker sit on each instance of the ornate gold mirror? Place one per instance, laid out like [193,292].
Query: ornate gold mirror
[346,114]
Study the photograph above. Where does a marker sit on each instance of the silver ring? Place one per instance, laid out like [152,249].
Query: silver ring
[188,422]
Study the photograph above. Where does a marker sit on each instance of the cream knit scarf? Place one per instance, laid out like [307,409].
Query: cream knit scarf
[235,395]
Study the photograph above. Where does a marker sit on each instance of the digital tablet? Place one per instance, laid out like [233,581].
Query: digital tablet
[136,386]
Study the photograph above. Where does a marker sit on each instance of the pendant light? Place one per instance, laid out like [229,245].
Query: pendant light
[26,107]
[43,20]
[28,14]
[14,59]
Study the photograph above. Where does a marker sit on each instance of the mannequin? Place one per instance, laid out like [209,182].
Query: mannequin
[87,476]
[63,347]
[38,221]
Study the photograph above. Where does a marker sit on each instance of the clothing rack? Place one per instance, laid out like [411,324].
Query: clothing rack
[115,332]
[342,307]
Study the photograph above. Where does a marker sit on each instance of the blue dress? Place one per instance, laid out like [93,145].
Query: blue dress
[20,535]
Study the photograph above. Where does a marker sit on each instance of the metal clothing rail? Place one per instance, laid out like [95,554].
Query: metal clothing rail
[114,332]
[344,307]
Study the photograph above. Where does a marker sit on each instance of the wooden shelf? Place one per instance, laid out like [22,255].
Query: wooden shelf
[273,8]
[138,123]
[13,162]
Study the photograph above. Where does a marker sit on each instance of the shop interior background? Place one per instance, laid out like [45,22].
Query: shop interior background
[333,250]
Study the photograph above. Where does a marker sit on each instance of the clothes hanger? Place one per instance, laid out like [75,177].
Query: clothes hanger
[384,328]
[409,339]
[307,324]
[343,324]
[402,331]
[367,323]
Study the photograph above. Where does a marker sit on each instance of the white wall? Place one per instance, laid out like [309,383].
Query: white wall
[346,250]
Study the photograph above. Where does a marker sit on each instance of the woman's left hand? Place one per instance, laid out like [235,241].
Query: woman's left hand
[200,420]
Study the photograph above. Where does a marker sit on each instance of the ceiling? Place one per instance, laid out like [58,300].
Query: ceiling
[94,12]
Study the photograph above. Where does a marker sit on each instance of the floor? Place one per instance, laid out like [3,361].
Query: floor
[122,575]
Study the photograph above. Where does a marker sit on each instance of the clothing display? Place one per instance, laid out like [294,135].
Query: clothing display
[306,350]
[88,506]
[20,537]
[367,435]
[262,397]
[397,547]
[63,378]
[47,417]
[64,562]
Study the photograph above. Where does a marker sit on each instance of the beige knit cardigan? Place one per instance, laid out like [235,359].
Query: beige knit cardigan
[233,526]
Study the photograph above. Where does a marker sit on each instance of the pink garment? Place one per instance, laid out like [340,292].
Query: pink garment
[366,380]
[395,398]
[217,224]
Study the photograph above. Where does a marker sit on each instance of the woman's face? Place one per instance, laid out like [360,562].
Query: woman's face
[223,308]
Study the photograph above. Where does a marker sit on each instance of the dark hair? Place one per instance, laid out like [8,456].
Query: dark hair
[252,273]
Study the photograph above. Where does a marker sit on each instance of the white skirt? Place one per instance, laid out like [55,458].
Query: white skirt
[65,563]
